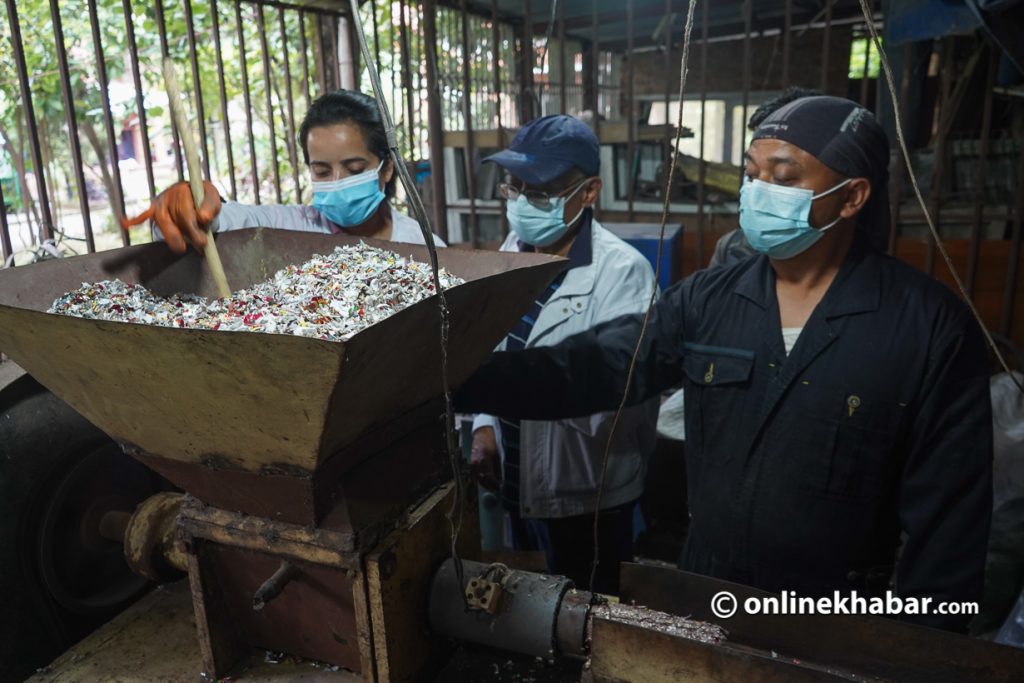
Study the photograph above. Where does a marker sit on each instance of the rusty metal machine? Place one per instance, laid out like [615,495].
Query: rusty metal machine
[318,486]
[316,472]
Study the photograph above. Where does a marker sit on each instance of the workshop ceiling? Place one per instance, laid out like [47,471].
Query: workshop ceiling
[725,18]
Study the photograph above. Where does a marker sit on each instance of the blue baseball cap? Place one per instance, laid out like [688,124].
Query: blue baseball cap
[546,148]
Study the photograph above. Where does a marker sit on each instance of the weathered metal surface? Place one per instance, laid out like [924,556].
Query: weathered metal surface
[398,574]
[571,623]
[326,547]
[526,618]
[150,547]
[272,587]
[863,647]
[312,617]
[622,652]
[252,402]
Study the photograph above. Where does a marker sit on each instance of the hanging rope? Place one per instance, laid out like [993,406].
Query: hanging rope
[683,67]
[420,212]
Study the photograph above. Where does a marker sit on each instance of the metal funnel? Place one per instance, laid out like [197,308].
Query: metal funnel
[249,402]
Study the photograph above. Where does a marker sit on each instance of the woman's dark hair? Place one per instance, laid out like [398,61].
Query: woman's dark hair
[348,106]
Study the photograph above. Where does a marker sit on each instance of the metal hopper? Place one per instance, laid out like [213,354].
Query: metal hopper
[251,421]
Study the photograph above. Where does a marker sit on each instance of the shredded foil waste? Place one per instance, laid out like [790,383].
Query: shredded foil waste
[330,297]
[654,620]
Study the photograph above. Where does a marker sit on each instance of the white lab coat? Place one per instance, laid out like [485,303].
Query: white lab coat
[235,216]
[560,461]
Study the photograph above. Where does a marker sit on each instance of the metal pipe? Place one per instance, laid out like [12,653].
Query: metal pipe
[305,57]
[223,99]
[786,43]
[667,156]
[939,169]
[321,60]
[197,84]
[897,186]
[376,33]
[748,20]
[267,91]
[108,122]
[437,180]
[293,156]
[526,52]
[528,617]
[406,75]
[321,11]
[474,222]
[595,46]
[981,178]
[273,586]
[630,111]
[140,106]
[335,51]
[72,122]
[247,96]
[353,48]
[826,45]
[562,78]
[496,40]
[161,25]
[114,524]
[703,167]
[6,249]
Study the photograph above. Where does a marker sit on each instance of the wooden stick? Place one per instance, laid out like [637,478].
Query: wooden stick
[195,174]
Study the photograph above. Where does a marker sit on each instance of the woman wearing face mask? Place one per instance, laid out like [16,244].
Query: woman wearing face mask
[344,145]
[548,476]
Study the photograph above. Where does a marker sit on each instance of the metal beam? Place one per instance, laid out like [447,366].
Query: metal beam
[108,122]
[437,182]
[72,122]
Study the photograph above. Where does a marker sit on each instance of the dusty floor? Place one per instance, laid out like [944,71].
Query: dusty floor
[155,641]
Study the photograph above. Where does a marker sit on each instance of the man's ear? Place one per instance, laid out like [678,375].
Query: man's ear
[858,192]
[592,191]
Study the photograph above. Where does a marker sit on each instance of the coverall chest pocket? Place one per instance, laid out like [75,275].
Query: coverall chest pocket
[718,380]
[849,444]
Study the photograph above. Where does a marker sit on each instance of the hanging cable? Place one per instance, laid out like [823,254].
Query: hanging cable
[683,67]
[901,140]
[420,212]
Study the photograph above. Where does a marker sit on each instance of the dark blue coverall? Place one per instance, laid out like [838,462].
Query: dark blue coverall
[804,469]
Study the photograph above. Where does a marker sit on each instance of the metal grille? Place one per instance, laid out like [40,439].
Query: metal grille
[84,125]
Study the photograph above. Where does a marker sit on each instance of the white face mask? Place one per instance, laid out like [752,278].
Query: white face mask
[541,227]
[776,219]
[350,201]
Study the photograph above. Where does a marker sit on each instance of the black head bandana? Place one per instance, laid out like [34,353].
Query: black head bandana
[845,137]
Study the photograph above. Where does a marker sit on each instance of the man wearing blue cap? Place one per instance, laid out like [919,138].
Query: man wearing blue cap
[550,469]
[838,419]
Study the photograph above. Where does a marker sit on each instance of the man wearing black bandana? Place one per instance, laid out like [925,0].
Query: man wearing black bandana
[838,419]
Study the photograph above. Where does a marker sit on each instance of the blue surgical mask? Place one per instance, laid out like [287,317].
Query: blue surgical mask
[350,201]
[540,227]
[775,218]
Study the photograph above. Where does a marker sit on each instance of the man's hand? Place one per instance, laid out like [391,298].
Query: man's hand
[176,217]
[484,461]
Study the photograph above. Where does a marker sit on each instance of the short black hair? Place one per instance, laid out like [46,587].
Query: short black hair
[349,106]
[768,108]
